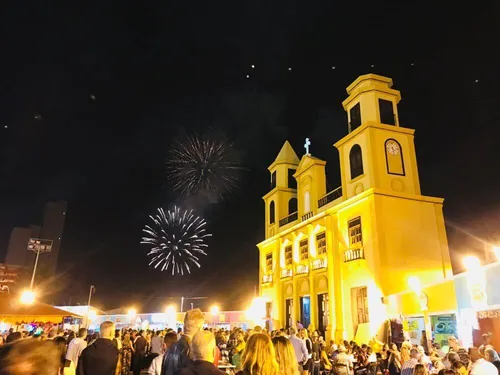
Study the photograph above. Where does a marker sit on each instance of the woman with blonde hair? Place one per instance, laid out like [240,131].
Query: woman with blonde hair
[420,370]
[285,355]
[259,357]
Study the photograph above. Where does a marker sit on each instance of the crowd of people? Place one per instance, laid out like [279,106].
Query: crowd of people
[201,351]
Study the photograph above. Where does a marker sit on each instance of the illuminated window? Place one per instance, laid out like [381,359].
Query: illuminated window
[321,243]
[288,256]
[269,262]
[356,161]
[355,234]
[272,215]
[304,249]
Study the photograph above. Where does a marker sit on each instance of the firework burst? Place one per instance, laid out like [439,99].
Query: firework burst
[175,239]
[202,164]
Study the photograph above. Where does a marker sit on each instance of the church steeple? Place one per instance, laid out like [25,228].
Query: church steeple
[371,99]
[377,152]
[281,201]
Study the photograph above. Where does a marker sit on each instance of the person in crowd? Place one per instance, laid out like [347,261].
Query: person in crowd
[238,349]
[409,365]
[178,355]
[193,323]
[456,348]
[424,343]
[93,338]
[176,358]
[75,348]
[100,358]
[285,356]
[437,363]
[344,359]
[487,340]
[157,343]
[60,343]
[446,372]
[14,336]
[141,347]
[117,340]
[156,365]
[304,335]
[480,366]
[423,358]
[438,350]
[315,354]
[71,336]
[419,369]
[203,354]
[492,356]
[29,357]
[126,354]
[459,367]
[325,363]
[299,347]
[405,352]
[51,334]
[259,357]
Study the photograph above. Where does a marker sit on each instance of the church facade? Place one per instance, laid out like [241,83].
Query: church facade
[342,261]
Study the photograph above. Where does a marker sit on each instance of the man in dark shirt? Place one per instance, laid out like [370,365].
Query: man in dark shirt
[202,350]
[100,358]
[141,346]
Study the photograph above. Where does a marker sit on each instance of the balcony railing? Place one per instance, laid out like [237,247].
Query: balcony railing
[309,215]
[289,219]
[318,264]
[286,273]
[302,269]
[353,254]
[330,197]
[266,279]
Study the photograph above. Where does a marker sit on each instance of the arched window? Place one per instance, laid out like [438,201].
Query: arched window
[307,202]
[292,206]
[356,161]
[272,217]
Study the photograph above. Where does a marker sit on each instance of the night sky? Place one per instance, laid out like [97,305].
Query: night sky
[92,97]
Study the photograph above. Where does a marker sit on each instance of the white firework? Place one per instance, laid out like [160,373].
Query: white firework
[176,240]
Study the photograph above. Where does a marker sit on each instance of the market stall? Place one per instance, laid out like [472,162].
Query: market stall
[15,314]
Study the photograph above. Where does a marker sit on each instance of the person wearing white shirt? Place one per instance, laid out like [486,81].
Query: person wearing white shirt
[480,366]
[156,364]
[75,348]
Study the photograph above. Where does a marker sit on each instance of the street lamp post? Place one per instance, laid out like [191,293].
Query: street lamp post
[38,246]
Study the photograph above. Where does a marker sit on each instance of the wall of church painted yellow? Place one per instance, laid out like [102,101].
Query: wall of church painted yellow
[403,232]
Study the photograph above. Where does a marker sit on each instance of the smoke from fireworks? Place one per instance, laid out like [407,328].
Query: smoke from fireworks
[176,240]
[203,164]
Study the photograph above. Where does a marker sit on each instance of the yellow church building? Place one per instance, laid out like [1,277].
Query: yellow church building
[343,261]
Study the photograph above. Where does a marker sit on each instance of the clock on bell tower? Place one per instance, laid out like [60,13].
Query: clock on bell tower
[377,152]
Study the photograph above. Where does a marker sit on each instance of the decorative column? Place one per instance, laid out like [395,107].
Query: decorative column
[338,262]
[312,285]
[330,276]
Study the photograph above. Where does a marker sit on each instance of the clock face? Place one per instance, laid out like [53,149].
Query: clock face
[392,148]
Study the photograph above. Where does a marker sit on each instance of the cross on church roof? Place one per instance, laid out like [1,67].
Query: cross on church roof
[306,146]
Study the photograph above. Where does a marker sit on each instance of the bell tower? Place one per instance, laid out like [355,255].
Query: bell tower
[377,152]
[281,200]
